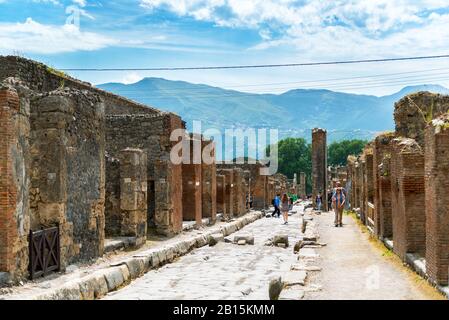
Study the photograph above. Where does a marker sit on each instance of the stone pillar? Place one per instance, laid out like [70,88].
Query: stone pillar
[191,188]
[259,190]
[221,194]
[302,185]
[168,193]
[239,194]
[229,192]
[246,190]
[133,194]
[209,181]
[382,186]
[319,165]
[14,186]
[437,200]
[408,200]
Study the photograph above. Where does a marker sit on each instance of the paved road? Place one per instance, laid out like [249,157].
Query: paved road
[225,271]
[355,268]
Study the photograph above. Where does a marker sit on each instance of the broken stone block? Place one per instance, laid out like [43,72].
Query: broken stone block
[114,278]
[298,246]
[275,288]
[295,278]
[136,267]
[282,238]
[292,294]
[248,238]
[215,238]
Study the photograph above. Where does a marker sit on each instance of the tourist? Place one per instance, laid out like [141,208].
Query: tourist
[285,206]
[330,194]
[276,202]
[319,201]
[338,201]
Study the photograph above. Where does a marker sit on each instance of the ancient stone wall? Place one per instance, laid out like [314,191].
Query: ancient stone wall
[41,78]
[413,112]
[151,133]
[319,165]
[408,201]
[68,171]
[437,200]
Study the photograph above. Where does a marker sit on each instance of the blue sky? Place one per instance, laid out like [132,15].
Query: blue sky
[160,33]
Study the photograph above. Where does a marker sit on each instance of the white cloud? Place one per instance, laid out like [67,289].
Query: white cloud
[34,37]
[341,27]
[132,77]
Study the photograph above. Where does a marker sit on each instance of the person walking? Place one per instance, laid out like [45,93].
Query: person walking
[285,206]
[276,203]
[338,201]
[319,201]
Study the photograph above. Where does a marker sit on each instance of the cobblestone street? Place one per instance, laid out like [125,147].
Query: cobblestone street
[225,271]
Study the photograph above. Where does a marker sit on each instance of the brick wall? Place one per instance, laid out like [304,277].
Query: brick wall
[209,181]
[192,182]
[408,201]
[221,194]
[14,184]
[229,191]
[382,186]
[437,201]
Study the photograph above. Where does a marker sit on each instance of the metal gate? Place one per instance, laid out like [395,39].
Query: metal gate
[44,252]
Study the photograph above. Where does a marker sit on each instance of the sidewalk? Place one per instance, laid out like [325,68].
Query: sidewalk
[107,274]
[355,267]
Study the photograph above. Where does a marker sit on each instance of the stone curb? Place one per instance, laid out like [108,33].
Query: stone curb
[121,274]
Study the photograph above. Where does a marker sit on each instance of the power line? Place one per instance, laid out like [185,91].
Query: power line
[260,65]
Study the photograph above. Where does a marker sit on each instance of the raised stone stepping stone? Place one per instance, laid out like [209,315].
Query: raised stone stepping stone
[281,245]
[295,278]
[275,287]
[307,253]
[215,238]
[281,238]
[249,239]
[301,267]
[291,294]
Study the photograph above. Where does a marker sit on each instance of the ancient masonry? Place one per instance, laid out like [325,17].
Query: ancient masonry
[399,184]
[319,165]
[96,166]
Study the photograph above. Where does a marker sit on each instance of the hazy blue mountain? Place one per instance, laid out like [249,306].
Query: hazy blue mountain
[294,112]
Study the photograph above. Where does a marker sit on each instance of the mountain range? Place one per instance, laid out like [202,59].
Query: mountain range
[294,112]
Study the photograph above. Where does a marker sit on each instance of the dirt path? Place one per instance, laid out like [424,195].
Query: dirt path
[353,267]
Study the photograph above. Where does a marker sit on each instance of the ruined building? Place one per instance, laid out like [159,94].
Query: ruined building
[408,170]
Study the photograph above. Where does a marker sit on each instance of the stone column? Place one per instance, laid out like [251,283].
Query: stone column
[302,185]
[319,165]
[133,194]
[209,181]
[191,183]
[408,200]
[229,192]
[14,186]
[259,190]
[221,194]
[437,200]
[239,195]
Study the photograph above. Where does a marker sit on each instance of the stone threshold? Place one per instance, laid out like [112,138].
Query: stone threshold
[119,274]
[417,264]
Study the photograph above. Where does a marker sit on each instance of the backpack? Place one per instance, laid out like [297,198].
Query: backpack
[272,202]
